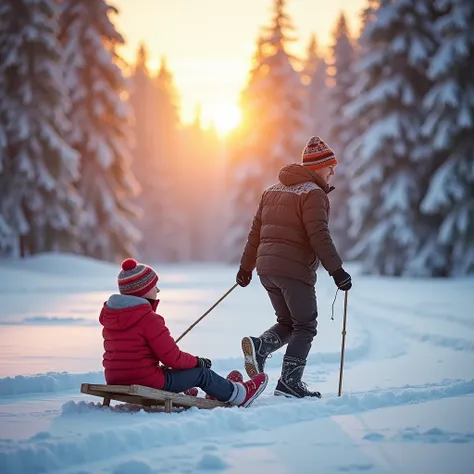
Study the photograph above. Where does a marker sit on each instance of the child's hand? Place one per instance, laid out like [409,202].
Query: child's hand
[204,363]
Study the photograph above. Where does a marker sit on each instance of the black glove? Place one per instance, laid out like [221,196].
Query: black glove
[204,363]
[244,277]
[342,279]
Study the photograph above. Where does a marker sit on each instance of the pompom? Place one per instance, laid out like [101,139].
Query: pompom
[129,264]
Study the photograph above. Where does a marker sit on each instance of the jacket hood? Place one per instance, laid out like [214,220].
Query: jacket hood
[295,173]
[123,311]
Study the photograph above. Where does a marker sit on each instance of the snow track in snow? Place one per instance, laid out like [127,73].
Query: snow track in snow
[409,329]
[431,313]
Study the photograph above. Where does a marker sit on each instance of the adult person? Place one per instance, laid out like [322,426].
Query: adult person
[288,239]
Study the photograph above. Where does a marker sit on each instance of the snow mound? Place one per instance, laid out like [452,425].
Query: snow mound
[212,462]
[49,382]
[137,467]
[51,272]
[61,264]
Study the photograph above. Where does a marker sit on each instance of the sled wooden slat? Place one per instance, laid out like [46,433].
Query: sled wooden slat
[123,397]
[146,396]
[106,388]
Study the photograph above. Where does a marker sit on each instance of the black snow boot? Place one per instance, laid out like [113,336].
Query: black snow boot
[290,384]
[257,349]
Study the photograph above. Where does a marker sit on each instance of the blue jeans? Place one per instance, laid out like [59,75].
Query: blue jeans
[213,384]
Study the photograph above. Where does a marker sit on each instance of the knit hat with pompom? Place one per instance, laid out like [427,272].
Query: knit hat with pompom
[317,154]
[136,279]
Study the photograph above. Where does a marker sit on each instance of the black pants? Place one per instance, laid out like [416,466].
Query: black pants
[296,311]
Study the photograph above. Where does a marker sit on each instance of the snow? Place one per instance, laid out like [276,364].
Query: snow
[408,388]
[397,192]
[390,127]
[442,187]
[49,382]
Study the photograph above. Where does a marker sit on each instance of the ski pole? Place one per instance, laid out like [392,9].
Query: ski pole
[206,313]
[343,344]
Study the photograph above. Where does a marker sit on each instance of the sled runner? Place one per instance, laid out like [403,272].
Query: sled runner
[148,397]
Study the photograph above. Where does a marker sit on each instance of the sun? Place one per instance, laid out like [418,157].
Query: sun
[225,117]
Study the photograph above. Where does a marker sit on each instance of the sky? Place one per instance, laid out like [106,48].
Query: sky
[209,44]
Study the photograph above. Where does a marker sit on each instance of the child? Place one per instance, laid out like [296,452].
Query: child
[136,340]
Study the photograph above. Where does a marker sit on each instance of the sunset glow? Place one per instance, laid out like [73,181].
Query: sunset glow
[225,118]
[210,57]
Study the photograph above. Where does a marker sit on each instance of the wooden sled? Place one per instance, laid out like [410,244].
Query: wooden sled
[148,397]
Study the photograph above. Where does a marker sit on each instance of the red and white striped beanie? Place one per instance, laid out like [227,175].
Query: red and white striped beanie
[317,154]
[136,279]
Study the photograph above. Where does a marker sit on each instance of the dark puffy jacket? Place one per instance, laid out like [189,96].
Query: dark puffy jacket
[136,340]
[289,234]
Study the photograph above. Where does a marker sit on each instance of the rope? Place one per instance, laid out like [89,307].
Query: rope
[333,303]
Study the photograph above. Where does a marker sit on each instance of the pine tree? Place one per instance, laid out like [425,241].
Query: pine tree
[145,162]
[367,15]
[311,61]
[101,128]
[396,48]
[315,80]
[284,115]
[449,129]
[340,131]
[142,102]
[38,167]
[274,118]
[171,232]
[245,163]
[6,231]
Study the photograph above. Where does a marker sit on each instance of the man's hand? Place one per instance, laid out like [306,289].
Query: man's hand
[244,277]
[204,363]
[342,279]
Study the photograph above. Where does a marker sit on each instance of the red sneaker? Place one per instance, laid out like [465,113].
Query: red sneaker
[254,388]
[234,376]
[192,391]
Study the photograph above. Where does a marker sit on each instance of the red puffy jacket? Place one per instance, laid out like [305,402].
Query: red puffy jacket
[136,339]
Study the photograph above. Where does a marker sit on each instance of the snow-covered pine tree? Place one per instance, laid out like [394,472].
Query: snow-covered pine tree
[315,80]
[145,163]
[340,131]
[101,131]
[359,213]
[311,60]
[142,102]
[245,172]
[385,168]
[38,167]
[449,130]
[282,127]
[367,15]
[171,234]
[6,232]
[274,117]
